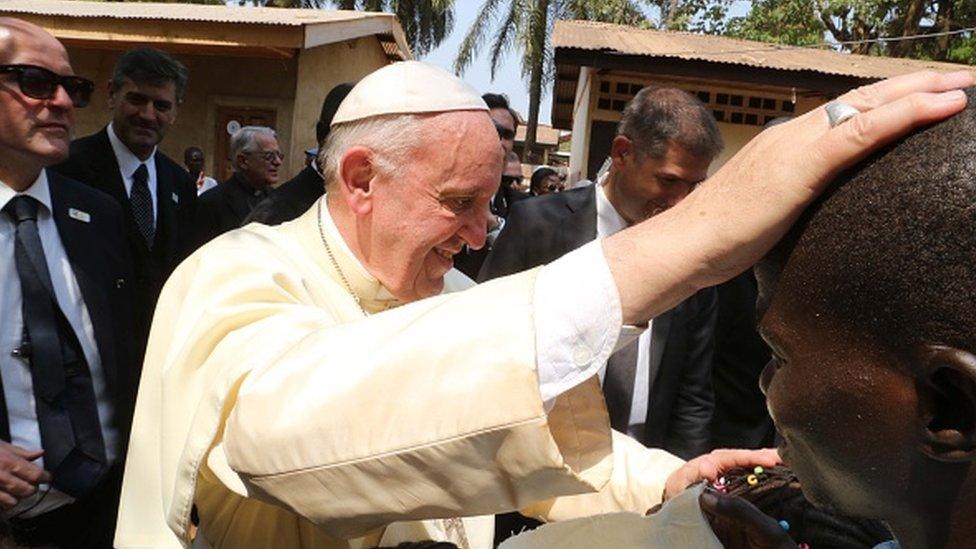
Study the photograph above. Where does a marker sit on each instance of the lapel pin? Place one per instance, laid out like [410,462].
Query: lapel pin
[84,217]
[176,198]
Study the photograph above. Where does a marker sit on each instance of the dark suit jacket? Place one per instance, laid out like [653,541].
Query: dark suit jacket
[545,228]
[93,162]
[741,419]
[290,200]
[99,256]
[469,261]
[223,208]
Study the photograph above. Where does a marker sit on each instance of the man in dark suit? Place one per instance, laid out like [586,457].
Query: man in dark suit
[658,387]
[297,195]
[67,365]
[122,160]
[256,159]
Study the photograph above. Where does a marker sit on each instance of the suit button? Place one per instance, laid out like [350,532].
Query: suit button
[120,283]
[582,356]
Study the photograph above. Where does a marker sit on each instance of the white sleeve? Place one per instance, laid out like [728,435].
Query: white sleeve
[574,335]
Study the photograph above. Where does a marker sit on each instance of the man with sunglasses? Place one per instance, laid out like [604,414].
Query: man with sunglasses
[157,195]
[256,159]
[67,368]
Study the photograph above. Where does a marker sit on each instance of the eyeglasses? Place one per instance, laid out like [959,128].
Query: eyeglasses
[269,156]
[40,83]
[511,180]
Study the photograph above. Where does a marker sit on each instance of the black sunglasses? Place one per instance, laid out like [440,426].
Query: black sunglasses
[40,83]
[511,180]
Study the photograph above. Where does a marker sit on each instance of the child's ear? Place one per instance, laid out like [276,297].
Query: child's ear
[947,391]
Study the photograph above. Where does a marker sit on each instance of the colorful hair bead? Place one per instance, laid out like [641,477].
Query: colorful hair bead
[752,480]
[784,525]
[758,470]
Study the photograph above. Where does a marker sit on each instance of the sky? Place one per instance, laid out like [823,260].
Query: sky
[509,79]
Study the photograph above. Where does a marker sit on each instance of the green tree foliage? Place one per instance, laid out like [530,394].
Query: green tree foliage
[526,26]
[870,27]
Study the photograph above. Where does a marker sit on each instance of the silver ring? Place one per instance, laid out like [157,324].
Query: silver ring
[839,112]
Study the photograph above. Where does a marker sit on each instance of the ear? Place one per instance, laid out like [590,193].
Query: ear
[111,94]
[356,175]
[621,151]
[948,399]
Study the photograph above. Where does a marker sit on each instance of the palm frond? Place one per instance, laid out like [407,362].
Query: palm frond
[475,36]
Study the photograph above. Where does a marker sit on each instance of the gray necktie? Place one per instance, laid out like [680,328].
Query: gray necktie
[67,413]
[140,200]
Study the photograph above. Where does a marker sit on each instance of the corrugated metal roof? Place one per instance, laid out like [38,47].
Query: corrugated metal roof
[184,12]
[589,35]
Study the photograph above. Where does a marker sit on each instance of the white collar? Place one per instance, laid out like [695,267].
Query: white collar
[128,162]
[330,228]
[608,219]
[39,190]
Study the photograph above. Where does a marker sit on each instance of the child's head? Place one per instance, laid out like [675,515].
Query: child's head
[869,306]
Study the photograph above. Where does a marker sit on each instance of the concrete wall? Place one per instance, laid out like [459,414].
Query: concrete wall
[319,70]
[581,123]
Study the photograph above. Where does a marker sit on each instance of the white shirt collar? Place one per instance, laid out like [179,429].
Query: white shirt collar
[128,162]
[608,220]
[39,190]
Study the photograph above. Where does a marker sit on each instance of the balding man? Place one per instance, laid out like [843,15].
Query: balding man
[256,159]
[67,368]
[307,386]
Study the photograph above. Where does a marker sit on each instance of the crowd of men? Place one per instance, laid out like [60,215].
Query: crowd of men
[271,413]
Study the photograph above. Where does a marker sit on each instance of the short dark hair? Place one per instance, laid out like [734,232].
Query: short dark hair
[889,252]
[150,66]
[188,152]
[535,182]
[500,101]
[329,107]
[658,117]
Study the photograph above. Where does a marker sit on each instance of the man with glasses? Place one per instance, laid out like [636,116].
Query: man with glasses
[157,195]
[256,159]
[67,366]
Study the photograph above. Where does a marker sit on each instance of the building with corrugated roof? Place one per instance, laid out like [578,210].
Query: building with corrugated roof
[600,66]
[262,66]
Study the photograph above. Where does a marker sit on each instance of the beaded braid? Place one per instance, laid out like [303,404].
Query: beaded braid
[776,492]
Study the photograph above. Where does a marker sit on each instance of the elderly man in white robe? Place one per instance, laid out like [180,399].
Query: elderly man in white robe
[324,383]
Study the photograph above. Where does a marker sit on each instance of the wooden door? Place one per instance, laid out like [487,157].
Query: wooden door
[230,119]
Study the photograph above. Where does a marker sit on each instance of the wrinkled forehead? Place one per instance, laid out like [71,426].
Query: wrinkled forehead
[459,145]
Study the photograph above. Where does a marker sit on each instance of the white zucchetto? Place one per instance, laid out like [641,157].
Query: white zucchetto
[407,87]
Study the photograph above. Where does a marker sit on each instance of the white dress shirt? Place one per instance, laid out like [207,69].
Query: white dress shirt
[15,372]
[129,163]
[608,223]
[208,183]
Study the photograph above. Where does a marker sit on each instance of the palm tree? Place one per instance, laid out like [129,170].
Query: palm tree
[527,24]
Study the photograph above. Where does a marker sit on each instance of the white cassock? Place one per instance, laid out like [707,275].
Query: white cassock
[289,419]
